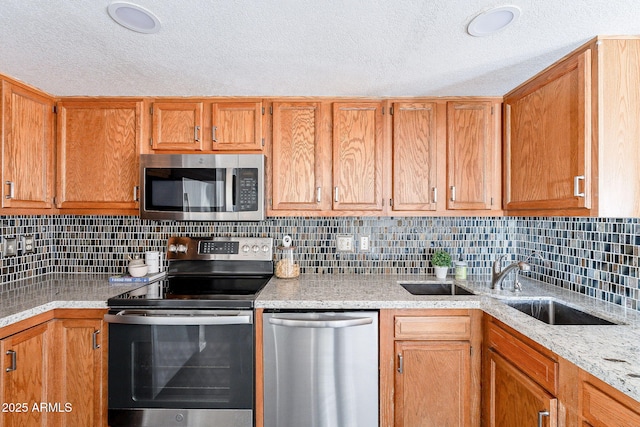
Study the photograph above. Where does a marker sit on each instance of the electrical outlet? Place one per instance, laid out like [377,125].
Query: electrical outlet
[344,243]
[364,243]
[10,247]
[28,244]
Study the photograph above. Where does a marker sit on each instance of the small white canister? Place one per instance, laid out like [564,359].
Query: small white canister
[152,259]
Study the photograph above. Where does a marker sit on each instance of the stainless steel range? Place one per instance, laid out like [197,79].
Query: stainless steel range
[181,350]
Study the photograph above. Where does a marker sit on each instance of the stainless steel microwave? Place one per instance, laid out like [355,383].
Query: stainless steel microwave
[202,187]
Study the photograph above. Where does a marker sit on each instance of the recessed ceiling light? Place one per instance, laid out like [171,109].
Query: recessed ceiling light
[493,20]
[134,17]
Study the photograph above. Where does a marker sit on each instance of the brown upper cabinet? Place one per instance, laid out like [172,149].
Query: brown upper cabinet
[181,126]
[470,155]
[446,157]
[98,152]
[357,156]
[350,158]
[301,158]
[415,129]
[27,148]
[177,126]
[571,135]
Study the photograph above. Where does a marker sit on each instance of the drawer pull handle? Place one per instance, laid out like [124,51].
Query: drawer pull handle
[576,186]
[541,415]
[96,345]
[14,362]
[400,363]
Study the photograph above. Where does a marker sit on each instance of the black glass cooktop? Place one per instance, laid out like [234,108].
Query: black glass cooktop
[194,292]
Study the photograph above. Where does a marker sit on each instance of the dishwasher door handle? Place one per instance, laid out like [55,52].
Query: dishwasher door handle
[321,323]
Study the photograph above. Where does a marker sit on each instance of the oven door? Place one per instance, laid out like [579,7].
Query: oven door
[175,367]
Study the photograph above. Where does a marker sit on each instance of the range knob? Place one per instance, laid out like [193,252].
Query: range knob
[265,248]
[182,249]
[245,248]
[255,248]
[173,248]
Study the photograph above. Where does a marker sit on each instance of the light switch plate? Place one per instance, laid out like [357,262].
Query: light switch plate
[10,247]
[365,243]
[344,242]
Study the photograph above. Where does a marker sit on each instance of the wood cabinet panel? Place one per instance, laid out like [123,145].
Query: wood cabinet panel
[98,151]
[236,126]
[27,148]
[548,139]
[535,364]
[516,400]
[604,406]
[298,158]
[414,156]
[469,155]
[24,379]
[433,384]
[357,156]
[433,327]
[78,372]
[177,126]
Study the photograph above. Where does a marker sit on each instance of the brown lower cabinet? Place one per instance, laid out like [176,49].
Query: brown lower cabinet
[53,370]
[430,367]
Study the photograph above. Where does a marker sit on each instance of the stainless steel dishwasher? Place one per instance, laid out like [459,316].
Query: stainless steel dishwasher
[321,369]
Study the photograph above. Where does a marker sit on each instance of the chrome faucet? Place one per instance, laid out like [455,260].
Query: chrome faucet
[499,274]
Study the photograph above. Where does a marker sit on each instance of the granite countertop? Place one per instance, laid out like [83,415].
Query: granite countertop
[29,297]
[610,353]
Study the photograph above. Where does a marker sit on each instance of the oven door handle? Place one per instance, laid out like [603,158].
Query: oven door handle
[148,318]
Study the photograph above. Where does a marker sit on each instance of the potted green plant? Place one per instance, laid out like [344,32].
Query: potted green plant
[441,261]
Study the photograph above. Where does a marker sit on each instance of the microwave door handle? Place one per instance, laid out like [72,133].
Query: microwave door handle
[229,190]
[186,207]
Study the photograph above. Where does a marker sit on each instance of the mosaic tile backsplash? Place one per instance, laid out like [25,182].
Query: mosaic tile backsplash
[594,256]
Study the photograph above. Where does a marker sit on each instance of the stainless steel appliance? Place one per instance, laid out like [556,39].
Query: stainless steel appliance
[321,369]
[181,350]
[202,187]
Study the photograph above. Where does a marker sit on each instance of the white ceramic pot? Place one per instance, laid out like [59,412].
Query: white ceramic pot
[441,272]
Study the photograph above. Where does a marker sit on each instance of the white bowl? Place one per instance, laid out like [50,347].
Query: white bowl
[138,270]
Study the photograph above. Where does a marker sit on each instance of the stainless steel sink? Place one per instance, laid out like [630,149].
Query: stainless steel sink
[435,288]
[554,312]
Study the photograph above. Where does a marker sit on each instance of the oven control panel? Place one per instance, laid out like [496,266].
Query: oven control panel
[222,248]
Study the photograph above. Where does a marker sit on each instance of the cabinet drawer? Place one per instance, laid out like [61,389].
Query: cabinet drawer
[433,327]
[536,365]
[600,409]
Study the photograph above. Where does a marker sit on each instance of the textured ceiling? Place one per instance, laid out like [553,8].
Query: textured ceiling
[295,47]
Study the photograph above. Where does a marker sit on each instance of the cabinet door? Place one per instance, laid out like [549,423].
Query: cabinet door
[98,151]
[236,126]
[433,383]
[516,400]
[414,156]
[298,160]
[24,382]
[357,156]
[28,149]
[177,126]
[548,139]
[469,155]
[78,372]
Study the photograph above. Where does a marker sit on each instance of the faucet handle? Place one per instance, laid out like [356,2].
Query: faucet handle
[497,264]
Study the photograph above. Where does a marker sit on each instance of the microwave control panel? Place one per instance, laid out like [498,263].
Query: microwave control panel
[247,182]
